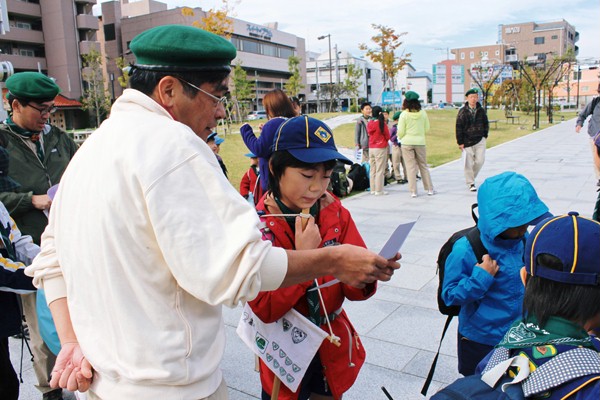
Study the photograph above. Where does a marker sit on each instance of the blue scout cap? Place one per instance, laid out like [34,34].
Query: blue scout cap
[32,86]
[213,136]
[575,241]
[181,48]
[307,139]
[251,155]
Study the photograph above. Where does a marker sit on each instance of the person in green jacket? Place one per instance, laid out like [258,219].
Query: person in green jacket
[39,154]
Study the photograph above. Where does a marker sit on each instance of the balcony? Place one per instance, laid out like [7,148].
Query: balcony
[88,22]
[86,1]
[25,63]
[511,58]
[86,46]
[19,35]
[15,7]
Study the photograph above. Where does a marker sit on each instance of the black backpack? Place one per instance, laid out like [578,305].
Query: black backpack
[339,180]
[359,177]
[473,236]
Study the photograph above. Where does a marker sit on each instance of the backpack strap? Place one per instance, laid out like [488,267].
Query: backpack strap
[429,378]
[474,238]
[493,375]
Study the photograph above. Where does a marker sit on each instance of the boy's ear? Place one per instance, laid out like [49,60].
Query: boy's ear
[523,273]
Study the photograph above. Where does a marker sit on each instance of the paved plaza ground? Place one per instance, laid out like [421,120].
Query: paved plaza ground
[400,326]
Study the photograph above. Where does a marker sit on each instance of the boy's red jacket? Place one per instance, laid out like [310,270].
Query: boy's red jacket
[341,364]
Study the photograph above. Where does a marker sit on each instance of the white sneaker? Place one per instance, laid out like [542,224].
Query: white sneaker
[472,187]
[413,195]
[381,193]
[431,193]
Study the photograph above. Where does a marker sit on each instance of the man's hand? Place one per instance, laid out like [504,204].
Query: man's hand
[489,265]
[41,201]
[72,371]
[357,266]
[461,147]
[310,237]
[578,128]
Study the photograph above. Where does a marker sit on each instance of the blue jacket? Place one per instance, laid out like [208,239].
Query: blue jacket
[489,304]
[262,146]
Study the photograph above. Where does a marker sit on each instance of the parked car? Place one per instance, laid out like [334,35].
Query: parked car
[254,115]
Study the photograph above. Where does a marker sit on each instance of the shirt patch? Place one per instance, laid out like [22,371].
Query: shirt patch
[546,351]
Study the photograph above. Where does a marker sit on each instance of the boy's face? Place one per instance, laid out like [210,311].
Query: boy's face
[254,161]
[367,111]
[213,146]
[514,233]
[301,187]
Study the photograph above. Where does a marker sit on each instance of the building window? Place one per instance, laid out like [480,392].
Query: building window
[472,55]
[485,53]
[250,46]
[462,56]
[497,53]
[23,25]
[538,40]
[26,53]
[109,32]
[285,52]
[554,37]
[269,50]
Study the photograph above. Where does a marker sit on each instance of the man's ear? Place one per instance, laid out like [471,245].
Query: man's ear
[523,273]
[166,90]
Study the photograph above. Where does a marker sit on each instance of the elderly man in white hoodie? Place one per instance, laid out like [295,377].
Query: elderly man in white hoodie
[147,239]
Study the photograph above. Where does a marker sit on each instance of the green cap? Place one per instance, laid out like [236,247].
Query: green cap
[32,86]
[472,91]
[410,95]
[182,48]
[396,116]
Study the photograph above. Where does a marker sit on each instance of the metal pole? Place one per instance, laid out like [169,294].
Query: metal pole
[330,74]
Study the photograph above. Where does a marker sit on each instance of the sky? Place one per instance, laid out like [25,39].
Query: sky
[433,26]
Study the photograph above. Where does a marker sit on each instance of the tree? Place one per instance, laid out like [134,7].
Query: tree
[387,41]
[122,65]
[242,91]
[294,84]
[352,82]
[215,21]
[96,98]
[485,78]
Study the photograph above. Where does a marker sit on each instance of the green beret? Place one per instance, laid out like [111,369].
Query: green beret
[396,116]
[32,86]
[181,48]
[472,91]
[410,95]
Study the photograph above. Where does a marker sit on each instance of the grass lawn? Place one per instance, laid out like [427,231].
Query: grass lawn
[441,142]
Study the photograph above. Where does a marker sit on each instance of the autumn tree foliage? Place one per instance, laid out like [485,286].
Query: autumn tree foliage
[387,42]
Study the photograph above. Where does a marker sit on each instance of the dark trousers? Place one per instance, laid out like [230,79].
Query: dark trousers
[9,383]
[470,353]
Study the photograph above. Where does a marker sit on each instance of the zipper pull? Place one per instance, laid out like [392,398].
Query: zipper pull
[325,384]
[356,341]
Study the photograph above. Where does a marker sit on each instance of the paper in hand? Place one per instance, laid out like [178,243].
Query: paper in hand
[395,241]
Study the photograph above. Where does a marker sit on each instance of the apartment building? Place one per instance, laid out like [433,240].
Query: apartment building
[263,50]
[50,36]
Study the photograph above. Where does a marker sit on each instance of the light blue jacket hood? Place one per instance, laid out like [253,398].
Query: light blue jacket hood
[507,200]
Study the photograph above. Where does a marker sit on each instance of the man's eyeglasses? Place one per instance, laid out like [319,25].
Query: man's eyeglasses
[217,100]
[47,110]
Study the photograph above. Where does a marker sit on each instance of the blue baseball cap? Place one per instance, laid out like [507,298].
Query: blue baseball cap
[307,139]
[213,136]
[575,241]
[251,155]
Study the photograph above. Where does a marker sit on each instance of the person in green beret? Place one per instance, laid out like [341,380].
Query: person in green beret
[472,127]
[148,240]
[39,154]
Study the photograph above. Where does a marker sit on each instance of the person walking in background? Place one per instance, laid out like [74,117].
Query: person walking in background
[39,154]
[379,135]
[413,124]
[304,156]
[361,137]
[472,127]
[279,108]
[397,159]
[250,188]
[592,109]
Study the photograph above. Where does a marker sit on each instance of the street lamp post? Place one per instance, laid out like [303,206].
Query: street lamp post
[328,36]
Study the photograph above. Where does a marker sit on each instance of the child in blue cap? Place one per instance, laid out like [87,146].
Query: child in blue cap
[250,187]
[304,155]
